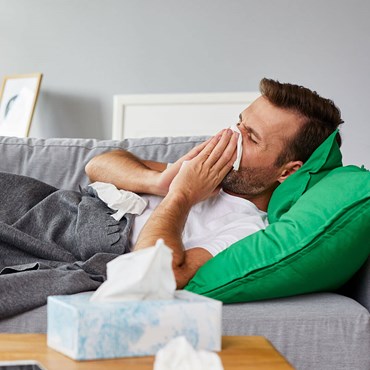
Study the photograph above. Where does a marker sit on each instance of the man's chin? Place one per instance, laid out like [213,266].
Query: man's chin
[231,183]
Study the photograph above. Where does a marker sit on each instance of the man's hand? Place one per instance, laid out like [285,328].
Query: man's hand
[165,178]
[200,177]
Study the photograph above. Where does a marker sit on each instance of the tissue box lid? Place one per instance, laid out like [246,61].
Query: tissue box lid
[82,301]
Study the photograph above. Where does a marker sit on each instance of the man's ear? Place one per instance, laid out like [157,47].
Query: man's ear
[289,169]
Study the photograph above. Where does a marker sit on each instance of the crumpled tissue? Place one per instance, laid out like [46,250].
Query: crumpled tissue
[122,201]
[239,149]
[139,275]
[179,354]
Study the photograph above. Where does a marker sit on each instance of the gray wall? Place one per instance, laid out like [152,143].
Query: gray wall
[89,50]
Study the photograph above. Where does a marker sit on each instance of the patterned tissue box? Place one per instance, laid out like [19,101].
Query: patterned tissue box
[86,330]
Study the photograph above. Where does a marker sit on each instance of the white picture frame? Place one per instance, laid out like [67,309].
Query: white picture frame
[18,99]
[154,115]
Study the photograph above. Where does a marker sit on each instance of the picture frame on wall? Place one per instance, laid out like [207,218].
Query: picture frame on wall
[18,99]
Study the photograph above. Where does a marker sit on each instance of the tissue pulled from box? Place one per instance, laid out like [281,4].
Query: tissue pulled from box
[179,354]
[139,275]
[122,201]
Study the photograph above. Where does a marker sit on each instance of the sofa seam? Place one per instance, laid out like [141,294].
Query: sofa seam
[98,146]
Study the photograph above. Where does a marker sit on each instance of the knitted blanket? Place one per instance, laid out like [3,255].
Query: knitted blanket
[53,242]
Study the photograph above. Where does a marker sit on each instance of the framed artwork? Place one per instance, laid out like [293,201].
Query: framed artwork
[17,103]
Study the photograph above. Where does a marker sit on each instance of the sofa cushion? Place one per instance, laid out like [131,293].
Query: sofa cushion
[323,331]
[316,245]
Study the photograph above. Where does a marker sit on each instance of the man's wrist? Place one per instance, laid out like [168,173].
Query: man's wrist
[150,183]
[157,186]
[179,198]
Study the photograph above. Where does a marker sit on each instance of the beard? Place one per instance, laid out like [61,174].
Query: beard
[249,181]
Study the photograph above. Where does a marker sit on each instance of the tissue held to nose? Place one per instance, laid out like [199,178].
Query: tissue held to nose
[239,149]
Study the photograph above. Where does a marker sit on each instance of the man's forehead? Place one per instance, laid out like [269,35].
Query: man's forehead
[264,115]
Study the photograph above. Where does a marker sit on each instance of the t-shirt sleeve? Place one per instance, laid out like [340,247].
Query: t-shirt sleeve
[229,234]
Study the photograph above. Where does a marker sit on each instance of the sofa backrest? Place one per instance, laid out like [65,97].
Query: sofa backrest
[61,162]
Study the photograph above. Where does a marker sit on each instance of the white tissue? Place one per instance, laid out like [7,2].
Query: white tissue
[143,274]
[178,354]
[239,149]
[122,201]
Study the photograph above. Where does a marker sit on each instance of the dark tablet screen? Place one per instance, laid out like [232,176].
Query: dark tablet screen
[23,366]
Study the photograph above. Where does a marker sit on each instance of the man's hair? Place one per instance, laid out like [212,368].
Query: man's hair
[321,117]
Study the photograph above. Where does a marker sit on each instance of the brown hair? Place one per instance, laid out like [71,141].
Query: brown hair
[322,117]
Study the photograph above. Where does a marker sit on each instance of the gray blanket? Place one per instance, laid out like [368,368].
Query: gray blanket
[53,242]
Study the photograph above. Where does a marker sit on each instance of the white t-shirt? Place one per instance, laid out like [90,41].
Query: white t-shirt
[213,224]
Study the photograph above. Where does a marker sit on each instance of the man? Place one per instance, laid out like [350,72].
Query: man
[280,130]
[54,241]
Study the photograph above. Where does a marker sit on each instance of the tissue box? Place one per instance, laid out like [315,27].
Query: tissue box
[85,330]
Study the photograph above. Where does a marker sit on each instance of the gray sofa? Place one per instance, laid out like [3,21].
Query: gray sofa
[328,330]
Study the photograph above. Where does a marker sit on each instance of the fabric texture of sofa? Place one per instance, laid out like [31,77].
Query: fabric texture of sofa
[327,330]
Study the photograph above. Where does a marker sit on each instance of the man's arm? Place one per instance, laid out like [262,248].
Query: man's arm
[126,171]
[196,181]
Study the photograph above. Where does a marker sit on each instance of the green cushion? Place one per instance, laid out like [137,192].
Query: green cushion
[325,158]
[316,242]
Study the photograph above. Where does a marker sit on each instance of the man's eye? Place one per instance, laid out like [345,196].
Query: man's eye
[251,138]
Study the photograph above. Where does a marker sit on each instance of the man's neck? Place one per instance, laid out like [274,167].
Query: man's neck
[261,201]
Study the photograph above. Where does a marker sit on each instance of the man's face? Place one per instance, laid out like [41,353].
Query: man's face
[265,130]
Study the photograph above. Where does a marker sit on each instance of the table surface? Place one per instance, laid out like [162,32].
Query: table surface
[238,352]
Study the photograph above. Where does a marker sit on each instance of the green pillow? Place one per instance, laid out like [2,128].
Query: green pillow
[325,158]
[316,245]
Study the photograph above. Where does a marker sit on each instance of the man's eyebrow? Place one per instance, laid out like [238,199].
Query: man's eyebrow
[250,129]
[253,132]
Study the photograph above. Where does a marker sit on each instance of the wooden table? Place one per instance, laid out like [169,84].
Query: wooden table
[238,353]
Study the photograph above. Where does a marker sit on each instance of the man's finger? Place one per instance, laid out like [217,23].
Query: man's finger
[229,153]
[217,152]
[208,149]
[196,150]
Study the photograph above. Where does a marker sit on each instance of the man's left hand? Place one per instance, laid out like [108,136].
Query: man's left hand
[201,176]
